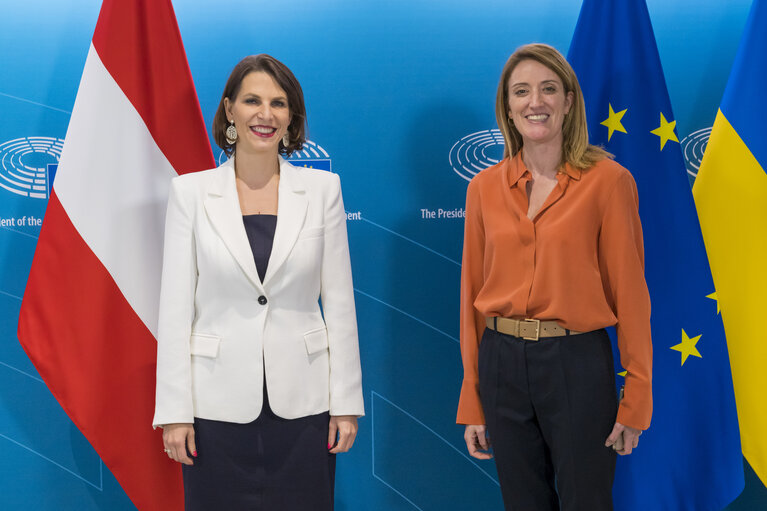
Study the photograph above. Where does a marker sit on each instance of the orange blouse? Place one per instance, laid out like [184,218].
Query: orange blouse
[579,262]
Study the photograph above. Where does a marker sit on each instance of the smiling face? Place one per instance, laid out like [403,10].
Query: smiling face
[260,112]
[537,103]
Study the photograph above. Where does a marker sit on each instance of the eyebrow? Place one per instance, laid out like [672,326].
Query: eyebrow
[253,95]
[555,82]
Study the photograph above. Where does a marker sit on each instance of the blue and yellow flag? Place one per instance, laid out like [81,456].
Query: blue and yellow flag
[690,457]
[731,195]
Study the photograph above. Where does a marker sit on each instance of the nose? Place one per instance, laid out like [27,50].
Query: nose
[536,98]
[265,111]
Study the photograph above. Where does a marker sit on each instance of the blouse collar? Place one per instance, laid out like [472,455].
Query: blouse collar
[517,168]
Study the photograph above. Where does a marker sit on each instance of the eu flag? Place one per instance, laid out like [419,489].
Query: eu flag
[690,457]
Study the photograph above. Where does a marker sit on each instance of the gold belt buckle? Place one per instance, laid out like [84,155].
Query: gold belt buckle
[536,322]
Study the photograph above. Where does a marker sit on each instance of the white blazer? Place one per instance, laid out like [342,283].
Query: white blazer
[220,327]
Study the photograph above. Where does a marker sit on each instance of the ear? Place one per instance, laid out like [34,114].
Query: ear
[228,108]
[569,97]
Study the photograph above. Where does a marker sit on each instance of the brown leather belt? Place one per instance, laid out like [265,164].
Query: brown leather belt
[528,329]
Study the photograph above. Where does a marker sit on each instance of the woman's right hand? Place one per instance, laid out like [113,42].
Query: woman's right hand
[177,438]
[477,441]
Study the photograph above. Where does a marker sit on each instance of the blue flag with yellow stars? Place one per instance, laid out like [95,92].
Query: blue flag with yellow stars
[690,457]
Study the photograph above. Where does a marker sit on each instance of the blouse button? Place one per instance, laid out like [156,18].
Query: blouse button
[262,300]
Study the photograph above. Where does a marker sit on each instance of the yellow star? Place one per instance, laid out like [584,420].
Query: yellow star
[665,131]
[613,122]
[687,346]
[713,297]
[623,373]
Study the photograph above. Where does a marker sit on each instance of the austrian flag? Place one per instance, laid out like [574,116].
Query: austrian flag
[89,316]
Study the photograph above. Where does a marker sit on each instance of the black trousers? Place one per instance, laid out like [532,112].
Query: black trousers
[268,464]
[549,406]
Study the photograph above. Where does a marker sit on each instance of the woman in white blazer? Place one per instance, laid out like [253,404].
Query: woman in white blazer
[251,371]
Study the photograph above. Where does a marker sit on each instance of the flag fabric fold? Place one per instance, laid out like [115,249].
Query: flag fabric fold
[690,458]
[89,314]
[731,196]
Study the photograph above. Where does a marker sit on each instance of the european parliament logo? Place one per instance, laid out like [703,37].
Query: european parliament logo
[476,152]
[312,156]
[482,149]
[28,165]
[693,147]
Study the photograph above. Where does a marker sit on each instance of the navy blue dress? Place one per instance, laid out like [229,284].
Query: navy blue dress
[268,464]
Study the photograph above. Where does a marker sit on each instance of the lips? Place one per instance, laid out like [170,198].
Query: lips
[263,131]
[537,117]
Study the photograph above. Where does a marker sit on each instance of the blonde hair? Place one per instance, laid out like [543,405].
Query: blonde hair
[576,149]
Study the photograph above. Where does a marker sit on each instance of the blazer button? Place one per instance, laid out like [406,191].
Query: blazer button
[262,300]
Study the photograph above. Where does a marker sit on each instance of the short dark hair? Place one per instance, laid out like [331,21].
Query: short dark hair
[287,82]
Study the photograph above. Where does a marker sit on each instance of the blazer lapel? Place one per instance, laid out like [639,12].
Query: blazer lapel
[291,211]
[223,209]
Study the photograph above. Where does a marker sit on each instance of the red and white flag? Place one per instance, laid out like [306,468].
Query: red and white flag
[88,320]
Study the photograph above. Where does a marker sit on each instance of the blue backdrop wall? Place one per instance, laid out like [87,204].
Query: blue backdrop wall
[392,88]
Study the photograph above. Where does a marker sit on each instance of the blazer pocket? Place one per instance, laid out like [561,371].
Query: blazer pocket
[311,232]
[204,345]
[316,340]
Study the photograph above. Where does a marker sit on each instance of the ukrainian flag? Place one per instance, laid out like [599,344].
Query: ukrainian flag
[690,457]
[731,195]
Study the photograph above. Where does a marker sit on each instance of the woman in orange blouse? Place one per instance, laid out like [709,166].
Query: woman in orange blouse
[552,255]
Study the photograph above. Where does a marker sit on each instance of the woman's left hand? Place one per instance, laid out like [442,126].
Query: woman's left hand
[344,428]
[630,438]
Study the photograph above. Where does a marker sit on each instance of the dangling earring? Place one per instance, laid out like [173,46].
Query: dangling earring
[230,133]
[285,140]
